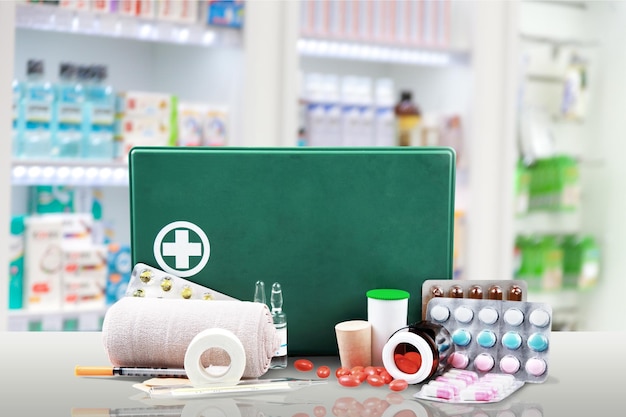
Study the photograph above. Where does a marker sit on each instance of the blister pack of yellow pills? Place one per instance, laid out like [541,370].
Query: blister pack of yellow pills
[150,282]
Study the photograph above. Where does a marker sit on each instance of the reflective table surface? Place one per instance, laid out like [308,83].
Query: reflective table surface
[586,376]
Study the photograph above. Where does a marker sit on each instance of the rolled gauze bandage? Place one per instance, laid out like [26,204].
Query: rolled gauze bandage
[155,332]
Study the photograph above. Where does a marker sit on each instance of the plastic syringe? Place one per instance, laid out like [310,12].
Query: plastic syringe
[129,371]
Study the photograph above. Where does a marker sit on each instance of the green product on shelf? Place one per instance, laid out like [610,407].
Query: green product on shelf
[551,265]
[590,268]
[551,185]
[174,122]
[581,262]
[521,252]
[571,261]
[568,183]
[70,324]
[554,184]
[539,188]
[530,262]
[16,263]
[522,188]
[51,199]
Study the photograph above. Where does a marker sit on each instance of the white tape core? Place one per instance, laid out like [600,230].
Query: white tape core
[214,338]
[422,347]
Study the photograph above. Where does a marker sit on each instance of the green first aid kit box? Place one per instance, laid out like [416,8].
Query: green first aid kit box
[328,224]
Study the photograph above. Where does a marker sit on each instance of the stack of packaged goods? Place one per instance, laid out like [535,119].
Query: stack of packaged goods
[73,118]
[558,262]
[201,124]
[62,258]
[82,117]
[213,12]
[360,111]
[145,119]
[548,184]
[407,23]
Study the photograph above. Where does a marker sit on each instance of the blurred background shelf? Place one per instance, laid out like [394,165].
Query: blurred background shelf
[69,172]
[52,18]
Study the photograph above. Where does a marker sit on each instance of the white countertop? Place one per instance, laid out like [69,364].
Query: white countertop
[585,377]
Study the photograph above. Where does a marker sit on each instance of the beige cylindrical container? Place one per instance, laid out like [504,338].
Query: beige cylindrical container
[354,340]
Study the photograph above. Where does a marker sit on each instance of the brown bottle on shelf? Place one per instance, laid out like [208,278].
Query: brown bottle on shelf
[407,119]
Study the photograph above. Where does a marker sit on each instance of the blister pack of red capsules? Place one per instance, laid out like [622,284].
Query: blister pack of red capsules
[508,290]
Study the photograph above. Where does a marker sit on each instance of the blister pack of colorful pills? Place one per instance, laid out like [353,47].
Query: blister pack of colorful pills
[490,336]
[146,281]
[508,290]
[461,386]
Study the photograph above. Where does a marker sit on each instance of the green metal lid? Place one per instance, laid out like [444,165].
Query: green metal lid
[387,294]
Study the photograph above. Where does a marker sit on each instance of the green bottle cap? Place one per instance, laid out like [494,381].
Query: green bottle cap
[387,294]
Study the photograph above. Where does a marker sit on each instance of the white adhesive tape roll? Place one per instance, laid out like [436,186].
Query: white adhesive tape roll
[214,338]
[422,347]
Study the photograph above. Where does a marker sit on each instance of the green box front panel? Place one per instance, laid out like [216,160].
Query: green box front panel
[327,224]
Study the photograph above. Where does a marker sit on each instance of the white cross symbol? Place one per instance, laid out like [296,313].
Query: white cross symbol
[182,249]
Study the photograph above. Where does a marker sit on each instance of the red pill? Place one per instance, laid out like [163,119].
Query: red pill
[386,376]
[356,369]
[342,371]
[414,357]
[361,376]
[323,371]
[406,366]
[349,381]
[303,365]
[375,380]
[398,385]
[370,370]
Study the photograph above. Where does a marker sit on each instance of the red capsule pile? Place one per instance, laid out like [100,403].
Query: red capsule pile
[376,376]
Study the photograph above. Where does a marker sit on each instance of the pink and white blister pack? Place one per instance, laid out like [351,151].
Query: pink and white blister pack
[493,336]
[460,386]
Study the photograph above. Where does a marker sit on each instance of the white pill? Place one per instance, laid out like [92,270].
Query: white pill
[488,315]
[539,318]
[514,317]
[440,313]
[463,314]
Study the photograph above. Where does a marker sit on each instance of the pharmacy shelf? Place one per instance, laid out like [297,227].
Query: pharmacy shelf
[80,319]
[69,172]
[325,48]
[54,18]
[549,222]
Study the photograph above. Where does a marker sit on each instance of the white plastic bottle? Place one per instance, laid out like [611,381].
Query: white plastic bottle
[37,111]
[365,136]
[332,132]
[384,118]
[101,114]
[350,111]
[315,111]
[68,108]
